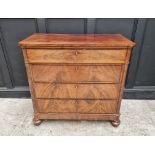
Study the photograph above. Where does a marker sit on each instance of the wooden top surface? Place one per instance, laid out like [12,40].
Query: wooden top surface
[75,40]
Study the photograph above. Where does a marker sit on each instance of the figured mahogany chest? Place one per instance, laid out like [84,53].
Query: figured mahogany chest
[76,77]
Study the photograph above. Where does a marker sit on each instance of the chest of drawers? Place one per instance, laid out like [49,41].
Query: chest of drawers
[76,77]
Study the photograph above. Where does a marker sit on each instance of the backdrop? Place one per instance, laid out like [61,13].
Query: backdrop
[140,82]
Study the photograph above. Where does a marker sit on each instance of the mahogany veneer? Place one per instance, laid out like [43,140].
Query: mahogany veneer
[76,77]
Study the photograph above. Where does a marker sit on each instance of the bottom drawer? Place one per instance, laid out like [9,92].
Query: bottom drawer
[80,106]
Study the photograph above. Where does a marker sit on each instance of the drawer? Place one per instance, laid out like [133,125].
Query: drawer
[85,74]
[72,106]
[80,91]
[52,105]
[97,106]
[75,56]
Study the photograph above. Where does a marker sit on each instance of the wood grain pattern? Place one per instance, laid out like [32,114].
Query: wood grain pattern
[29,75]
[77,77]
[97,106]
[53,105]
[98,91]
[123,77]
[77,116]
[76,91]
[76,56]
[80,106]
[76,73]
[76,40]
[49,90]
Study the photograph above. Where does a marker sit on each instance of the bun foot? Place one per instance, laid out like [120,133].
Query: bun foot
[36,121]
[115,123]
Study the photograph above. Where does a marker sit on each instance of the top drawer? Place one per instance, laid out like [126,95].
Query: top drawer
[75,56]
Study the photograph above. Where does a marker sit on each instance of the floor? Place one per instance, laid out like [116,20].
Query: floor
[137,118]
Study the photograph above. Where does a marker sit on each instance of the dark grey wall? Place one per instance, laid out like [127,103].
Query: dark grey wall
[140,81]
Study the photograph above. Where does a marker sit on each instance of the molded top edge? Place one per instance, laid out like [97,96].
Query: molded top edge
[76,40]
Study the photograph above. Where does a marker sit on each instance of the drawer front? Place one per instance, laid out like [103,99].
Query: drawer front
[97,106]
[52,105]
[52,73]
[80,106]
[75,56]
[79,91]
